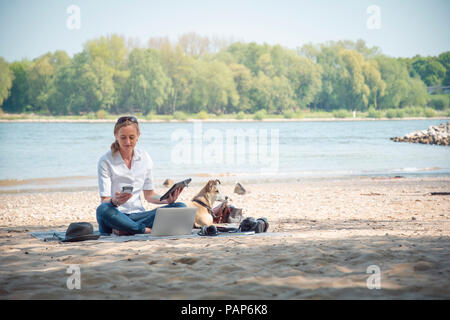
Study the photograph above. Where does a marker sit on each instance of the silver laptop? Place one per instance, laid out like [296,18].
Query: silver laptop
[173,221]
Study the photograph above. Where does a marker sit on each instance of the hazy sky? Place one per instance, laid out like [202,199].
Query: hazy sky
[29,28]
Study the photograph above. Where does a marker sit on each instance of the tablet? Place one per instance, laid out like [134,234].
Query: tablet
[183,184]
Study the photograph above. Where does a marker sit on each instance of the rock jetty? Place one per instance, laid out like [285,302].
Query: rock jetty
[434,135]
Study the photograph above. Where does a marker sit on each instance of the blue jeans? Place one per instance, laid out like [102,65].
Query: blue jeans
[109,217]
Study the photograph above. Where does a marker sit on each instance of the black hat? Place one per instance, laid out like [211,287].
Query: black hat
[80,231]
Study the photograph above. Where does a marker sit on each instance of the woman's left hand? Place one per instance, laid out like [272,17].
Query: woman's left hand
[174,195]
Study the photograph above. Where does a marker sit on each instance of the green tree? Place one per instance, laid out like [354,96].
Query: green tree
[444,59]
[77,88]
[329,60]
[273,95]
[298,79]
[112,51]
[249,55]
[261,93]
[401,90]
[6,80]
[213,88]
[359,46]
[179,68]
[283,97]
[40,80]
[198,74]
[373,79]
[59,59]
[243,80]
[432,70]
[349,76]
[354,92]
[148,85]
[41,77]
[417,94]
[395,74]
[343,82]
[305,78]
[20,92]
[105,83]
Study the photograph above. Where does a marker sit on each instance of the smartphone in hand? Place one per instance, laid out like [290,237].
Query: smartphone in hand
[127,189]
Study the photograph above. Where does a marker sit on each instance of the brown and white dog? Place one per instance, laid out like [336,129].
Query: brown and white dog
[204,201]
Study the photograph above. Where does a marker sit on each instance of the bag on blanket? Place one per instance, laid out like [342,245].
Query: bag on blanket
[248,224]
[227,214]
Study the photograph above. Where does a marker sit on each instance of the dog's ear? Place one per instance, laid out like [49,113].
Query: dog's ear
[209,185]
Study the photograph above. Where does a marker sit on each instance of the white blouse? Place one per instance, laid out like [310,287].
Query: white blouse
[113,174]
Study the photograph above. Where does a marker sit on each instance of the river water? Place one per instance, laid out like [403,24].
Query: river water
[50,155]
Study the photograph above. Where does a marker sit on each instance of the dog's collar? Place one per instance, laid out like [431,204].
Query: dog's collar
[206,206]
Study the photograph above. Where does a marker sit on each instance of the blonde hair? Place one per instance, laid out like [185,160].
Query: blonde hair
[115,145]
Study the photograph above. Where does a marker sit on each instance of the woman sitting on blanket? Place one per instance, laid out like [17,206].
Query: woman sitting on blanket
[125,165]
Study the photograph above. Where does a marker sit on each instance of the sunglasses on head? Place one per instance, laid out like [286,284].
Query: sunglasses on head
[123,119]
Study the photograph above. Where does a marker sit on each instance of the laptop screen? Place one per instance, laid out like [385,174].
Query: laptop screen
[173,221]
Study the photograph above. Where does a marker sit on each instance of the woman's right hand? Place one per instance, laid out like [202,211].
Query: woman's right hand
[121,197]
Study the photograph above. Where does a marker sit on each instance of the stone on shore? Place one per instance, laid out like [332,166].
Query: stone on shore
[168,183]
[239,189]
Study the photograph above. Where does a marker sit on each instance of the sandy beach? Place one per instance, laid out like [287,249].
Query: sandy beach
[334,229]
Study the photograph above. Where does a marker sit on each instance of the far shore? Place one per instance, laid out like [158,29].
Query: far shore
[56,120]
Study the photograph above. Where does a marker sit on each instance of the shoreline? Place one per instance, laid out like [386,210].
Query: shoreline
[66,184]
[222,120]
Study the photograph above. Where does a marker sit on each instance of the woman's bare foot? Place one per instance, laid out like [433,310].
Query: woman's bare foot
[121,233]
